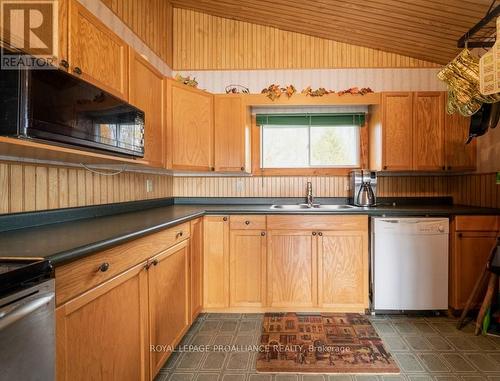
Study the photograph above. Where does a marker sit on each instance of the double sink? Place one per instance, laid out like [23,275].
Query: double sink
[312,207]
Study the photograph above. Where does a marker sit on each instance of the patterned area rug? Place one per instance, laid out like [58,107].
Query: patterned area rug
[322,343]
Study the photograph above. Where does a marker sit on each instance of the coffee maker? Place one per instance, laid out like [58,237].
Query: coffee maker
[363,187]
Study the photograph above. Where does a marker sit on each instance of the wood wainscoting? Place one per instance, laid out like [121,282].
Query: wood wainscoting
[30,187]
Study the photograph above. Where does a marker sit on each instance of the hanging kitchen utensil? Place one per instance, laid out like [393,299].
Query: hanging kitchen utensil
[462,77]
[489,67]
[487,117]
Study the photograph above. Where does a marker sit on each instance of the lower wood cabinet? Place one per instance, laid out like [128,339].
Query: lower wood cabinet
[103,333]
[216,262]
[168,281]
[196,268]
[343,269]
[471,241]
[247,268]
[291,278]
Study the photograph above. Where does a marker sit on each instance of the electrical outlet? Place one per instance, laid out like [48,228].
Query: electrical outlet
[239,185]
[149,186]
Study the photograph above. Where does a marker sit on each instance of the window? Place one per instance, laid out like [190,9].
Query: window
[298,141]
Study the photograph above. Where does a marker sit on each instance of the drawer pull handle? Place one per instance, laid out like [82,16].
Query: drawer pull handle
[178,235]
[247,222]
[314,233]
[320,234]
[104,267]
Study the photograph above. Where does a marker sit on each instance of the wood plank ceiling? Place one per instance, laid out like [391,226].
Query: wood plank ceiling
[423,29]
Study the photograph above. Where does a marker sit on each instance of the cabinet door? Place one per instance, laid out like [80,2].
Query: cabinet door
[196,267]
[146,93]
[343,270]
[292,269]
[428,131]
[469,254]
[397,131]
[102,334]
[231,134]
[247,268]
[459,156]
[168,280]
[190,131]
[216,262]
[96,52]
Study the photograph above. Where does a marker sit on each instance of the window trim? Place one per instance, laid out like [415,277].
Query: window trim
[313,171]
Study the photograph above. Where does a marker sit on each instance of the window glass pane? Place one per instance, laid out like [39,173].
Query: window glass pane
[285,147]
[335,146]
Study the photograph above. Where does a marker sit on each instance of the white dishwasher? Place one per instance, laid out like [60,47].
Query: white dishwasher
[410,263]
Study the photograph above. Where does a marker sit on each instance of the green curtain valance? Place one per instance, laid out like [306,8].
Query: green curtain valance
[345,119]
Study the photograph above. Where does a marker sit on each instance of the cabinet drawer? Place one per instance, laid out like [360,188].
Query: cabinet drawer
[477,223]
[79,276]
[247,222]
[283,222]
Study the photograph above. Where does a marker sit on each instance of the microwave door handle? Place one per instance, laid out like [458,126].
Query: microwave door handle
[9,315]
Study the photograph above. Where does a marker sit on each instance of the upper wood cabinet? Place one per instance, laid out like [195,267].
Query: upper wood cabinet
[412,132]
[102,334]
[428,131]
[232,134]
[168,281]
[196,268]
[247,268]
[146,93]
[391,126]
[95,53]
[216,262]
[190,133]
[458,155]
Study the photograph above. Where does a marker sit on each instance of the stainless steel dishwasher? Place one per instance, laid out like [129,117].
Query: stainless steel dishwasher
[27,324]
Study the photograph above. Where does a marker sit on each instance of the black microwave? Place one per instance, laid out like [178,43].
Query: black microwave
[56,107]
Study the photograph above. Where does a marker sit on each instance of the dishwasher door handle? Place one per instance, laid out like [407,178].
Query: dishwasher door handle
[11,314]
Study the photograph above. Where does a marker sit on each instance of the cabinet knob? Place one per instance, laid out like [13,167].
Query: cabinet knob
[104,267]
[449,167]
[64,64]
[242,169]
[460,235]
[224,218]
[320,234]
[314,233]
[178,235]
[384,167]
[212,169]
[247,222]
[77,70]
[155,262]
[443,168]
[263,234]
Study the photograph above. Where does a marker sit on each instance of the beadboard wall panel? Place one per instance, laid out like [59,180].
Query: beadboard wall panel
[28,187]
[205,42]
[471,189]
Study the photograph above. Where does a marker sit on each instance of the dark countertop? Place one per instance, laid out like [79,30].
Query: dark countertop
[63,242]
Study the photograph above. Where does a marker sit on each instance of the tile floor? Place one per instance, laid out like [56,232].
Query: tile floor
[424,348]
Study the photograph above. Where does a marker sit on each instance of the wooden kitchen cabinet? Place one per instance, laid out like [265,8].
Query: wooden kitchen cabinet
[247,268]
[232,134]
[397,127]
[471,241]
[190,128]
[458,155]
[216,262]
[428,131]
[103,334]
[146,93]
[196,268]
[95,53]
[292,269]
[168,281]
[343,269]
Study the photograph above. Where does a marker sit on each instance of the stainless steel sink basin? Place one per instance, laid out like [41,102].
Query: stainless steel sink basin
[305,207]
